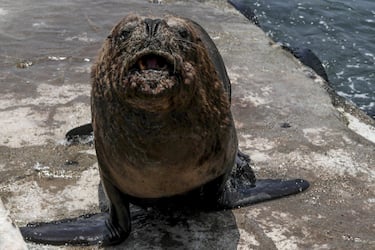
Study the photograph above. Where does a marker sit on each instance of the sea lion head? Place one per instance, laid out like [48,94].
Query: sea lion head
[153,62]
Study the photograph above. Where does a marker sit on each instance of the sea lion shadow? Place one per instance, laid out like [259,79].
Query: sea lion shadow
[182,229]
[200,230]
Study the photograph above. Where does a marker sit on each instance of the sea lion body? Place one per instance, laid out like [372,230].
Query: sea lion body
[164,133]
[155,142]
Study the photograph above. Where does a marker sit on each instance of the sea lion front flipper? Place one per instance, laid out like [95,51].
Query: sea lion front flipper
[85,230]
[102,228]
[264,190]
[242,188]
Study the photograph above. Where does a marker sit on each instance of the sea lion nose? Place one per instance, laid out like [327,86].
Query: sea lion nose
[152,26]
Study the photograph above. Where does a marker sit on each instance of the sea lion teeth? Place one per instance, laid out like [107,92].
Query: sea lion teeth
[141,65]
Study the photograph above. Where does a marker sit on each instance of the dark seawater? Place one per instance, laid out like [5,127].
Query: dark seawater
[340,32]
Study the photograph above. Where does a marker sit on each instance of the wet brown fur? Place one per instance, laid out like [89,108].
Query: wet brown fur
[157,145]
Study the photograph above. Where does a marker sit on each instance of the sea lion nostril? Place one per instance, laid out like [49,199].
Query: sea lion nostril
[152,26]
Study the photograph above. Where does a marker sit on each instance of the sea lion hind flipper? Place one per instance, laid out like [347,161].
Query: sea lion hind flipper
[81,134]
[243,194]
[242,188]
[90,229]
[243,171]
[106,228]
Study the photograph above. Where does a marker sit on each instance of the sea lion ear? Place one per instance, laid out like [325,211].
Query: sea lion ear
[109,37]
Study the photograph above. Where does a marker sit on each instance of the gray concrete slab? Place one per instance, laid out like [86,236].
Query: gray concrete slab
[46,52]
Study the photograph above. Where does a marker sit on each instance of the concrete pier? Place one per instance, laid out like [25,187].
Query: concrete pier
[287,119]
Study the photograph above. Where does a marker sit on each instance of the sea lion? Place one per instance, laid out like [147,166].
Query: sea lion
[307,57]
[164,132]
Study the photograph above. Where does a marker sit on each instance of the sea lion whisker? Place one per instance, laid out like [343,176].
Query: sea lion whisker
[174,65]
[194,44]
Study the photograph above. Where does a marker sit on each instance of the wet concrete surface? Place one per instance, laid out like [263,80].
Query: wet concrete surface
[284,117]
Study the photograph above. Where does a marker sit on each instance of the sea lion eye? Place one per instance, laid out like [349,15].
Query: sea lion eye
[184,33]
[125,34]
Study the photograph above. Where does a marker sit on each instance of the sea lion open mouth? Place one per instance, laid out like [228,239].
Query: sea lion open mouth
[151,62]
[151,73]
